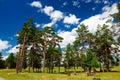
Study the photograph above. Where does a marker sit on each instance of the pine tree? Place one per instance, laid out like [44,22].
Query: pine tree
[104,40]
[2,62]
[11,61]
[24,39]
[90,61]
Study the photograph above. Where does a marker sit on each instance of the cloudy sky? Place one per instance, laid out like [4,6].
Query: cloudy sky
[64,15]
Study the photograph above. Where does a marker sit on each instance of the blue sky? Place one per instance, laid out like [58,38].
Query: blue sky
[63,15]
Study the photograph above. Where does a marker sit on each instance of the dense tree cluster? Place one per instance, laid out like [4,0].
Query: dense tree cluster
[43,47]
[40,49]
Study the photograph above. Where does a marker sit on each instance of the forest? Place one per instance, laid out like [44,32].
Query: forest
[40,50]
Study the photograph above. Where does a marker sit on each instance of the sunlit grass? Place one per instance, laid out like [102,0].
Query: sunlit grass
[10,74]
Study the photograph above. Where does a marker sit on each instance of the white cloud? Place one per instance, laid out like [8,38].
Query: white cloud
[100,19]
[67,26]
[47,10]
[5,57]
[16,35]
[4,45]
[37,25]
[76,3]
[36,4]
[71,19]
[14,49]
[106,8]
[106,2]
[56,15]
[69,37]
[49,24]
[98,1]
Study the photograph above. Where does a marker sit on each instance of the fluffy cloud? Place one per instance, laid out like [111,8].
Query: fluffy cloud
[55,15]
[37,25]
[49,24]
[69,37]
[4,45]
[5,57]
[100,19]
[71,19]
[36,4]
[47,10]
[14,49]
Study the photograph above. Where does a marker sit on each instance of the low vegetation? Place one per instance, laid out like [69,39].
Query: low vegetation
[10,74]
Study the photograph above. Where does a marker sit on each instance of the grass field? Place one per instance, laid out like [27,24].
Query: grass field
[10,74]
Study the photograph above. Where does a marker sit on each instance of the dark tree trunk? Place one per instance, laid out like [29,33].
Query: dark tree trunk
[33,68]
[101,68]
[89,71]
[74,69]
[107,58]
[59,67]
[29,68]
[21,57]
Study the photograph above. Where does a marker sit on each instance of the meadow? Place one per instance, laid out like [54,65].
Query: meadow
[10,74]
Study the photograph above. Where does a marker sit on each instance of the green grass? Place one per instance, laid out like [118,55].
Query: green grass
[10,74]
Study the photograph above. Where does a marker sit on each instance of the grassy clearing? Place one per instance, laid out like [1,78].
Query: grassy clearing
[8,74]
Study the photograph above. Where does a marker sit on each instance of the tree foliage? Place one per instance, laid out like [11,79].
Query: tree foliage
[90,60]
[2,62]
[11,61]
[39,48]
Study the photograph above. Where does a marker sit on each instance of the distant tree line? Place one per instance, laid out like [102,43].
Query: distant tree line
[9,62]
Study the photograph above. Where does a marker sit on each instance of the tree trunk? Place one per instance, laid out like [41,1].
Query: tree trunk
[59,67]
[74,69]
[29,68]
[107,59]
[89,71]
[33,68]
[17,65]
[29,64]
[21,56]
[43,62]
[49,67]
[101,68]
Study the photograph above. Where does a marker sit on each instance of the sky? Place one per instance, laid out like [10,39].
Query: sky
[63,15]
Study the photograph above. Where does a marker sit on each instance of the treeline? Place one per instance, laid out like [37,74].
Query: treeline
[9,62]
[40,49]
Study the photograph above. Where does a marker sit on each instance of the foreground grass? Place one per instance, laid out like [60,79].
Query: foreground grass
[8,74]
